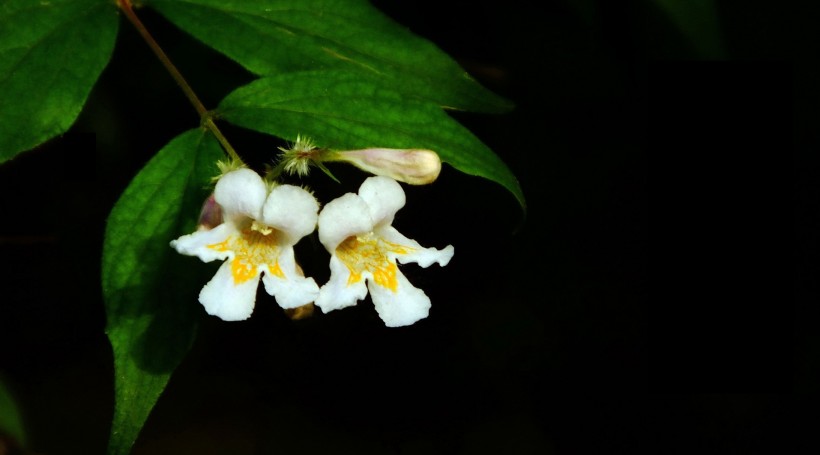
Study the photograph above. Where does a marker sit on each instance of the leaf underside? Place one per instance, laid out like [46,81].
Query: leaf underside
[150,290]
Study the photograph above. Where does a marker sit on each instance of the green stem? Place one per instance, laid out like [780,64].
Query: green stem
[274,172]
[206,118]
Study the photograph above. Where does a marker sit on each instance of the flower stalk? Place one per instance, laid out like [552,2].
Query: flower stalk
[206,118]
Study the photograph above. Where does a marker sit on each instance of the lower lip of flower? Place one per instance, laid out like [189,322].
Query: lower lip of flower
[253,247]
[368,253]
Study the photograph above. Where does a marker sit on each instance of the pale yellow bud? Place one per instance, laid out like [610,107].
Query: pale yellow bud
[413,166]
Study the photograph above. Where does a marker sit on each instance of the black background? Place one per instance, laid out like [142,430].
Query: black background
[645,302]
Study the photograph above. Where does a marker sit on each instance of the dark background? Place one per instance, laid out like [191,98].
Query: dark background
[645,302]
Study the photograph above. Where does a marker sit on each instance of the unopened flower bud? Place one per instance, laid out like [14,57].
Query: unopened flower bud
[413,166]
[210,216]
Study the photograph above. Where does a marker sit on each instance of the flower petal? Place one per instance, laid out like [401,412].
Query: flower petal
[241,192]
[384,197]
[223,298]
[415,252]
[342,217]
[403,307]
[196,244]
[290,289]
[292,210]
[339,292]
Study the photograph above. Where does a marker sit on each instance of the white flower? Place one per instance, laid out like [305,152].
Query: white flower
[357,231]
[256,237]
[413,166]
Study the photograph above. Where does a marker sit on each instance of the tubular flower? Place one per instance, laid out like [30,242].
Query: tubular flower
[356,229]
[413,166]
[256,237]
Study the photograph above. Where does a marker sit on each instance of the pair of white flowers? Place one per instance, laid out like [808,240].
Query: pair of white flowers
[261,225]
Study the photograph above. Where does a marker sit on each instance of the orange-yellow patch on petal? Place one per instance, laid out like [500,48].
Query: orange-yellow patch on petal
[221,246]
[276,270]
[354,277]
[386,277]
[242,271]
[252,247]
[368,253]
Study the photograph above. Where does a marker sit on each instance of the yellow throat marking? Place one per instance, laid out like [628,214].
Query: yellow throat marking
[368,253]
[255,245]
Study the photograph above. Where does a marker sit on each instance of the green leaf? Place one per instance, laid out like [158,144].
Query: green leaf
[697,20]
[273,36]
[344,111]
[150,292]
[51,53]
[11,423]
